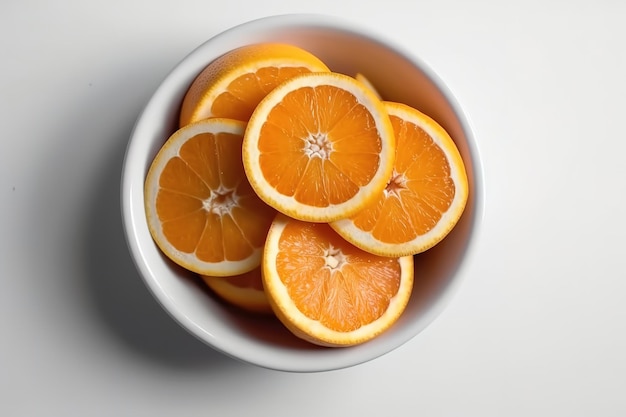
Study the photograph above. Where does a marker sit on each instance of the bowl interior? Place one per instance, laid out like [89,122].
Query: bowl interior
[263,340]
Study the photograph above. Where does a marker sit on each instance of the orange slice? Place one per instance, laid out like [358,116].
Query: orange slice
[425,198]
[327,291]
[233,84]
[244,291]
[319,147]
[201,210]
[366,82]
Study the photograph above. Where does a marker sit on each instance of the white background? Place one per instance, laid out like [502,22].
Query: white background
[538,326]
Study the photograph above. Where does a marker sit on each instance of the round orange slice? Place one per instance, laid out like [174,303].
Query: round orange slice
[244,291]
[326,290]
[233,84]
[425,197]
[319,147]
[359,76]
[201,210]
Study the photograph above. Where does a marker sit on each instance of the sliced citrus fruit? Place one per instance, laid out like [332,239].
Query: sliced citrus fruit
[326,290]
[200,208]
[233,84]
[319,147]
[244,291]
[366,82]
[425,197]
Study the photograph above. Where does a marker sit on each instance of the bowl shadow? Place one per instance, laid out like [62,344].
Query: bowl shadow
[120,299]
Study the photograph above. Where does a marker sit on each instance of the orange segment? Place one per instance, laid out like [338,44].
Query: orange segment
[244,291]
[201,210]
[425,197]
[233,84]
[319,147]
[327,291]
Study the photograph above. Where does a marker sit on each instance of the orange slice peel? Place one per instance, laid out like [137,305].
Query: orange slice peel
[244,291]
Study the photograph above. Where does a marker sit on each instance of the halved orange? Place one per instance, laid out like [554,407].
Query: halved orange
[319,147]
[244,291]
[201,210]
[327,291]
[233,84]
[425,197]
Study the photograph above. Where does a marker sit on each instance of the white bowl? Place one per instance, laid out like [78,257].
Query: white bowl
[346,48]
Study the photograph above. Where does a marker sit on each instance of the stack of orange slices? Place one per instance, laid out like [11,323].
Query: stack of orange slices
[298,191]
